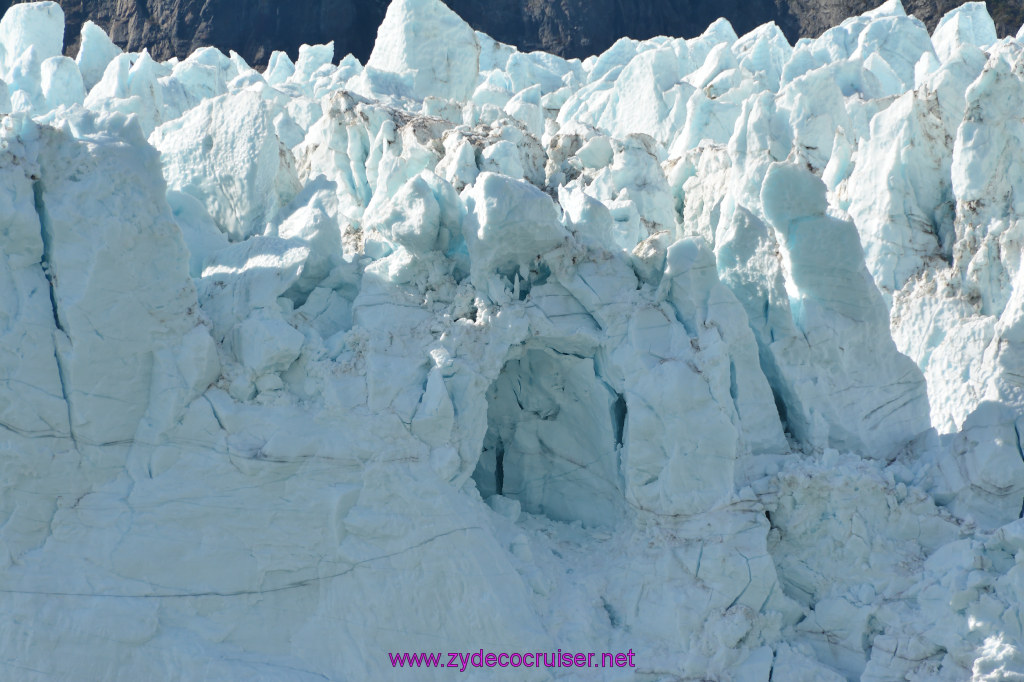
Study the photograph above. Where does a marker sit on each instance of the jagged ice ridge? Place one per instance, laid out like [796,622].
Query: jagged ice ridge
[710,349]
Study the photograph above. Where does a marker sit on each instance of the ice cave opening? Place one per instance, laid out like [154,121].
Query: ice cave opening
[554,436]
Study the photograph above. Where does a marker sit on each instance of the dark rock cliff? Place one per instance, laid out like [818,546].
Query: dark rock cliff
[571,28]
[579,28]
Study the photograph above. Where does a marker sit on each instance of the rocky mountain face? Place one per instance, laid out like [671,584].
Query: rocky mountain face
[814,17]
[579,28]
[570,28]
[169,28]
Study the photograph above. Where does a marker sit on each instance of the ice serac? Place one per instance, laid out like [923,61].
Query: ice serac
[226,154]
[684,358]
[966,344]
[647,95]
[428,49]
[32,402]
[987,179]
[710,312]
[510,225]
[61,83]
[981,472]
[95,52]
[877,399]
[116,327]
[903,190]
[35,26]
[969,24]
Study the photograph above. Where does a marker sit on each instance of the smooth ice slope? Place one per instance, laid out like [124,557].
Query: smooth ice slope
[706,349]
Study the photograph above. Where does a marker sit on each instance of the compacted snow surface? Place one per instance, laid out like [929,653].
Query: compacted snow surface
[709,349]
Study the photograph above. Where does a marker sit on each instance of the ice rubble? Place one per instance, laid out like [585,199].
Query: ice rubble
[710,349]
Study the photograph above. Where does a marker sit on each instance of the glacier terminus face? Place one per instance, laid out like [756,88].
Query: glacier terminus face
[710,351]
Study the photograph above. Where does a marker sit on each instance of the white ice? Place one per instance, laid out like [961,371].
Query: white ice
[710,349]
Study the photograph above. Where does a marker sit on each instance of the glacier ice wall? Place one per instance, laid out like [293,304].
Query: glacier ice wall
[708,349]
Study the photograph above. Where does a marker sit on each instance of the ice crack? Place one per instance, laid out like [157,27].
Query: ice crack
[46,232]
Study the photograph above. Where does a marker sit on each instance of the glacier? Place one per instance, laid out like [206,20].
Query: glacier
[711,350]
